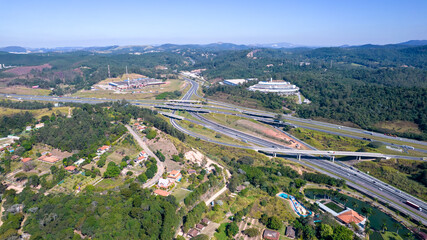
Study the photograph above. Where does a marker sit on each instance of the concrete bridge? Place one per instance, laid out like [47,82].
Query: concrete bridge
[331,153]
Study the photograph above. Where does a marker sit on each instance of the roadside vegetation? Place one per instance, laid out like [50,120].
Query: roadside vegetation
[409,176]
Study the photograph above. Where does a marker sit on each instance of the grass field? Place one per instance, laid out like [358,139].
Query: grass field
[211,134]
[391,236]
[394,141]
[326,141]
[399,126]
[109,183]
[24,91]
[38,113]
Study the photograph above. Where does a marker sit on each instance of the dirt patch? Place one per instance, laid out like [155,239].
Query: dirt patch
[162,143]
[55,152]
[196,157]
[26,70]
[166,146]
[274,134]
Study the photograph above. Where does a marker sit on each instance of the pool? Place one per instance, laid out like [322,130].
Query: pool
[283,195]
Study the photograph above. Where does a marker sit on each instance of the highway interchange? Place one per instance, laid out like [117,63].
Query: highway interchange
[354,178]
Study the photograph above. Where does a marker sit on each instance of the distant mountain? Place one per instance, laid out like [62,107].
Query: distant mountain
[16,49]
[414,43]
[277,45]
[139,49]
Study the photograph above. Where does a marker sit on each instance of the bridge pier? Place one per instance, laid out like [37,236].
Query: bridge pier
[333,158]
[274,154]
[299,157]
[358,158]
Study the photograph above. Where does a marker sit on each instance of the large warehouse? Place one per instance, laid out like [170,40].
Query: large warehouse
[279,87]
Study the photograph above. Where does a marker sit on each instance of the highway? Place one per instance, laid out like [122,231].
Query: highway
[356,179]
[360,181]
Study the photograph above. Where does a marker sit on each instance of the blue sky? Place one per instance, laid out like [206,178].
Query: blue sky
[56,23]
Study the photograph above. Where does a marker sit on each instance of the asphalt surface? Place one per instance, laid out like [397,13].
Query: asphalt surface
[363,182]
[358,180]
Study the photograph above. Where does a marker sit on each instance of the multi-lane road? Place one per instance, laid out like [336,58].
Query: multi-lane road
[358,180]
[354,178]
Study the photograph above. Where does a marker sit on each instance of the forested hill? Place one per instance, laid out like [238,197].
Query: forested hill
[364,85]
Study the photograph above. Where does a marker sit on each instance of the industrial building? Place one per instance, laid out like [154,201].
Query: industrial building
[278,87]
[235,82]
[136,83]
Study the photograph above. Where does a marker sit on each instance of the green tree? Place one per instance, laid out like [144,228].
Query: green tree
[231,229]
[112,170]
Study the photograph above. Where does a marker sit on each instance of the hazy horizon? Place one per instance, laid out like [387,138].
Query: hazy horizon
[80,23]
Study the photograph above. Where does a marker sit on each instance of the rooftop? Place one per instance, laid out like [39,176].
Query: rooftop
[161,192]
[351,216]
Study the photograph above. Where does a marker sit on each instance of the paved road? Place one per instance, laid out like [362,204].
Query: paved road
[160,165]
[363,182]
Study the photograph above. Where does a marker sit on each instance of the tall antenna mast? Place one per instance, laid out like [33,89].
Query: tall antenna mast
[109,75]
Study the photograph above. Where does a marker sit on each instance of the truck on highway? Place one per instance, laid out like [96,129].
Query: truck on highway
[411,204]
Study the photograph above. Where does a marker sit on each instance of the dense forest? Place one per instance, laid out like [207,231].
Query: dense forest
[24,104]
[364,85]
[131,213]
[15,123]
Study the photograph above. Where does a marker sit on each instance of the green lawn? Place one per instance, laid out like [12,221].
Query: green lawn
[391,236]
[334,207]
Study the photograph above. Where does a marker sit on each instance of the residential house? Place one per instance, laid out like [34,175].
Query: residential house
[205,221]
[28,128]
[39,125]
[164,183]
[136,124]
[24,160]
[200,227]
[290,232]
[79,162]
[161,192]
[175,175]
[191,171]
[71,169]
[193,232]
[271,235]
[47,157]
[103,149]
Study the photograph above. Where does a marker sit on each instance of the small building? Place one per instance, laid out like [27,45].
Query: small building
[271,235]
[240,188]
[71,169]
[142,154]
[193,232]
[200,227]
[164,183]
[175,175]
[103,149]
[39,125]
[205,221]
[13,137]
[28,128]
[351,216]
[161,192]
[136,124]
[290,232]
[79,162]
[24,160]
[191,171]
[48,158]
